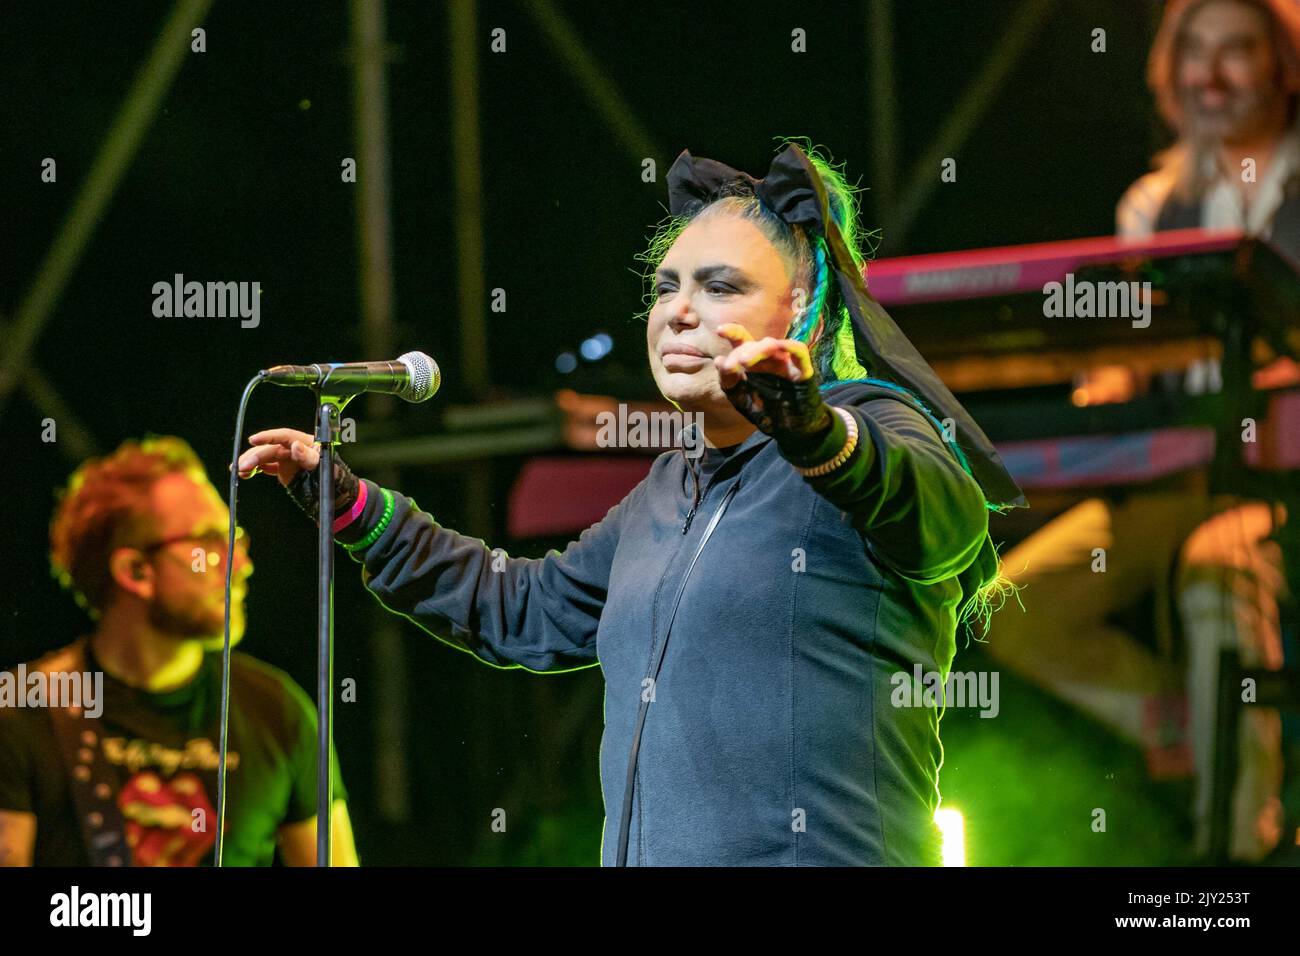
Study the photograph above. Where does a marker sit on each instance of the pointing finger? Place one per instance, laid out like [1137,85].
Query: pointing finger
[735,333]
[280,436]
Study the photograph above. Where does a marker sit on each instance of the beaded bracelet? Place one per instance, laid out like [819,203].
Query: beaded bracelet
[378,529]
[850,443]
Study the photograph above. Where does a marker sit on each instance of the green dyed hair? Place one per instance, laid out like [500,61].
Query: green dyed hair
[825,324]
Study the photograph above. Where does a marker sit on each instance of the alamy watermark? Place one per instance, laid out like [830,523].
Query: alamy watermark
[975,689]
[79,689]
[208,300]
[1098,300]
[133,911]
[654,429]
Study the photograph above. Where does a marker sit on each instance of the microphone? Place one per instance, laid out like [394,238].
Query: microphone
[414,377]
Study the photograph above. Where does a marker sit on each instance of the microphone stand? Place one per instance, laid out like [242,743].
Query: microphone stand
[328,428]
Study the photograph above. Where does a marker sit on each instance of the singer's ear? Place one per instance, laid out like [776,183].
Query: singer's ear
[131,572]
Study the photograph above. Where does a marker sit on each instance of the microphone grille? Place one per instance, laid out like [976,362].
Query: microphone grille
[425,377]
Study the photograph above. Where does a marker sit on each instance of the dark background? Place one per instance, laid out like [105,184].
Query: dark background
[238,178]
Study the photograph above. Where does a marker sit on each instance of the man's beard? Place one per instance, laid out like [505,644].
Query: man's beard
[1242,114]
[182,623]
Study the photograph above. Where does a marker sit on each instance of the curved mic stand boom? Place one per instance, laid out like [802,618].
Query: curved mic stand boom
[334,385]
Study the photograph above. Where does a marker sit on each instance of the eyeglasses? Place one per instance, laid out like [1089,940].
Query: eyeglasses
[213,543]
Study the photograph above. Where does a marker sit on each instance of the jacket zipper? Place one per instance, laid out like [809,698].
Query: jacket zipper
[690,516]
[630,785]
[699,498]
[695,505]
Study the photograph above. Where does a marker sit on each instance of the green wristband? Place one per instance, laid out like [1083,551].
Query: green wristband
[378,529]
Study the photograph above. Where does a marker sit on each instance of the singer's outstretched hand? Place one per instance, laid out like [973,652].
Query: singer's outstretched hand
[787,358]
[282,452]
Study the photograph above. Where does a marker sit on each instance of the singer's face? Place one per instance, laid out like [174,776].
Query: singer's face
[189,573]
[1227,73]
[721,269]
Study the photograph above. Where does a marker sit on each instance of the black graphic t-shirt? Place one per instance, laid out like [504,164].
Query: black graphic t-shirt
[161,751]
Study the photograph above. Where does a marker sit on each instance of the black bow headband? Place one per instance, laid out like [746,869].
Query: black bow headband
[793,189]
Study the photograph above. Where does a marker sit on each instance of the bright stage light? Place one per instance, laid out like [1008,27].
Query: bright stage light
[953,831]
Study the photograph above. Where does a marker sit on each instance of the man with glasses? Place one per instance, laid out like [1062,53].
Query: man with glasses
[140,537]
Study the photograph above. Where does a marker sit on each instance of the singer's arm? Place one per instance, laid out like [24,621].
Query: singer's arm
[905,492]
[540,614]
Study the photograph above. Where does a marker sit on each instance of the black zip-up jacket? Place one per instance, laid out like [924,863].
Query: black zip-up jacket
[770,737]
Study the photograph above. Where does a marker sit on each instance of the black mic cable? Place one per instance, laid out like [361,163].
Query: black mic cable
[225,647]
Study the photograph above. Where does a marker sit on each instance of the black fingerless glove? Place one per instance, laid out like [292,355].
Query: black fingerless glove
[304,488]
[793,413]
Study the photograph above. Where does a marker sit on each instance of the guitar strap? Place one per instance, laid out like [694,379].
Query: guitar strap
[90,779]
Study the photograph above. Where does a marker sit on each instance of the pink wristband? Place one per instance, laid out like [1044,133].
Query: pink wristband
[342,521]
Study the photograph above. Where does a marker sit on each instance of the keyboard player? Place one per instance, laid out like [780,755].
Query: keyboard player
[1226,76]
